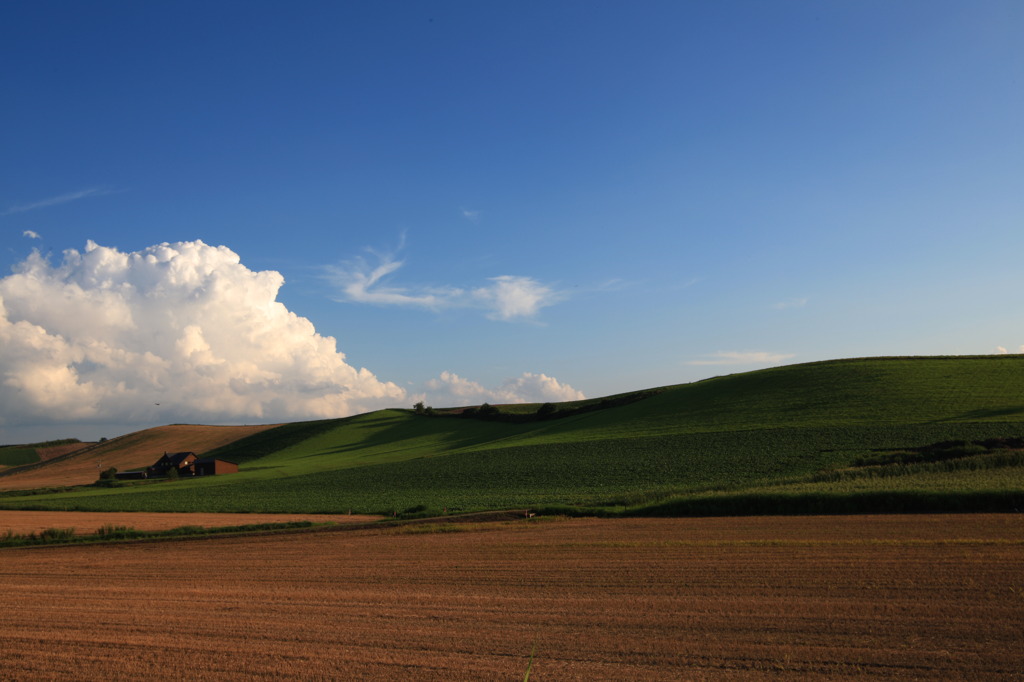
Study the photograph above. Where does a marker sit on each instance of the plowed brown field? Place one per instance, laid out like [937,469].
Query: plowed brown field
[133,451]
[22,522]
[903,597]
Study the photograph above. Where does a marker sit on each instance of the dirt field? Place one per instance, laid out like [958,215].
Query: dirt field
[902,597]
[84,523]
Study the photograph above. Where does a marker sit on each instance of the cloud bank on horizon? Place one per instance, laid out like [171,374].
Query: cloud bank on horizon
[184,332]
[450,390]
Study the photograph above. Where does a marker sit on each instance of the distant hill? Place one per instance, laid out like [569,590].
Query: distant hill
[827,433]
[80,464]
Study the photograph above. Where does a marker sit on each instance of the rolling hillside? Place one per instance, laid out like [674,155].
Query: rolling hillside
[770,433]
[81,465]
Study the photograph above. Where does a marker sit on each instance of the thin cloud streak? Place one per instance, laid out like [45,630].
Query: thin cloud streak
[507,298]
[791,303]
[723,357]
[360,284]
[62,199]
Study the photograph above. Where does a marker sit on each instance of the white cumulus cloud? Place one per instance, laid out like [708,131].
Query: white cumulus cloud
[31,234]
[742,358]
[105,335]
[451,390]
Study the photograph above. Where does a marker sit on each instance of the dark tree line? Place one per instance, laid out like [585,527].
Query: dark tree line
[487,412]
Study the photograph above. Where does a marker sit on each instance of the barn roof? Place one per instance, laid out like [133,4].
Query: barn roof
[176,457]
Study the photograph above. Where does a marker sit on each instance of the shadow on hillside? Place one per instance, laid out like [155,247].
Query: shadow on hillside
[387,434]
[990,413]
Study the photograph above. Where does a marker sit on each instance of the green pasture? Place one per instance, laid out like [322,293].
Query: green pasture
[779,434]
[14,455]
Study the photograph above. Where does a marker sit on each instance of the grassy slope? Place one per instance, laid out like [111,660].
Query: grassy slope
[748,431]
[13,455]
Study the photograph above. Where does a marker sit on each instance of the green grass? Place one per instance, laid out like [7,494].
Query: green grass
[780,434]
[13,455]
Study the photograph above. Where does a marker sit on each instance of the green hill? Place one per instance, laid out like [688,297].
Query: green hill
[813,437]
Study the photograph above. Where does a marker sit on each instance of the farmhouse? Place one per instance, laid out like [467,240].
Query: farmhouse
[179,461]
[188,464]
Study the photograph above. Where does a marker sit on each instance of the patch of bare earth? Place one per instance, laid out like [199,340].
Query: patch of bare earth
[133,451]
[84,523]
[900,597]
[48,453]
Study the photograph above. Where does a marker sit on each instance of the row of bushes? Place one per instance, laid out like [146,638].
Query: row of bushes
[52,536]
[46,444]
[487,412]
[38,491]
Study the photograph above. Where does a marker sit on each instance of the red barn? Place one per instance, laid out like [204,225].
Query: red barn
[213,467]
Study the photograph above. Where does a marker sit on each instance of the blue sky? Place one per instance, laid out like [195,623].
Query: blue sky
[542,199]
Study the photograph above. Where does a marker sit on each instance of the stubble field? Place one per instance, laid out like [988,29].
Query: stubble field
[901,597]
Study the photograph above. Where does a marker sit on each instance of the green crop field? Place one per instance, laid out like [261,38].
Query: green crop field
[12,455]
[800,432]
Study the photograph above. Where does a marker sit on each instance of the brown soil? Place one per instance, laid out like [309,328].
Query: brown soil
[907,597]
[46,454]
[84,523]
[133,451]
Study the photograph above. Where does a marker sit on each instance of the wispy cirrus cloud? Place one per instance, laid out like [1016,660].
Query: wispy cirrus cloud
[359,282]
[724,357]
[790,303]
[510,297]
[506,298]
[62,199]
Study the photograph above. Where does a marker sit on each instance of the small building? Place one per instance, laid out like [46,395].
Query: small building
[214,467]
